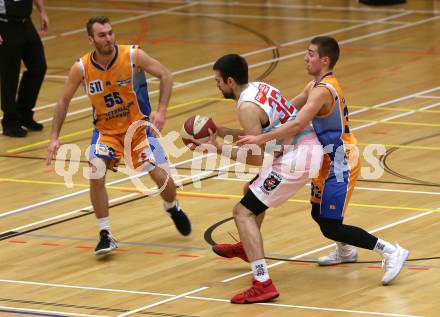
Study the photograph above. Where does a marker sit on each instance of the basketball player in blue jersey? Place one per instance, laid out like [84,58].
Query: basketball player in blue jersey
[114,79]
[261,108]
[322,102]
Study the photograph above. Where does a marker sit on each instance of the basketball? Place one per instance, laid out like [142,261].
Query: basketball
[197,127]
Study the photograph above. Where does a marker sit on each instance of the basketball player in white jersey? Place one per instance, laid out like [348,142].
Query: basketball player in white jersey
[261,108]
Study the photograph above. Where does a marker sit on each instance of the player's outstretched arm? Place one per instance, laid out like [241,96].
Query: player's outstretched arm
[73,81]
[316,100]
[155,68]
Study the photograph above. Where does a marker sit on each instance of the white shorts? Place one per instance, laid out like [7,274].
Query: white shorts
[289,172]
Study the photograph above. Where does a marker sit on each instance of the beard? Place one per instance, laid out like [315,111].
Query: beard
[228,95]
[105,50]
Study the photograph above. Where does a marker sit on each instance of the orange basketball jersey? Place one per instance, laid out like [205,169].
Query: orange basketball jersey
[119,93]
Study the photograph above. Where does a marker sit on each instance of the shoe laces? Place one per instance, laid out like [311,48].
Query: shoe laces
[387,261]
[251,292]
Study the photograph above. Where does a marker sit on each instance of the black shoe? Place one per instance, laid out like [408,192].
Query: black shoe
[106,243]
[15,132]
[32,125]
[181,221]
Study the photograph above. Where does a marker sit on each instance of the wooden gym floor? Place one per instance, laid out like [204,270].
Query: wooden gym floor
[389,70]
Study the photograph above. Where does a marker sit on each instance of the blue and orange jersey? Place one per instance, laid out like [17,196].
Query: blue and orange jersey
[333,187]
[332,127]
[119,93]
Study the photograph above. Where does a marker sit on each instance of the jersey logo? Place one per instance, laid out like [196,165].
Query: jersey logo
[272,181]
[262,92]
[123,82]
[95,87]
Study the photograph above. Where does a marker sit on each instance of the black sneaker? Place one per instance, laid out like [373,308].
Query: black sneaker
[32,125]
[181,221]
[15,132]
[106,243]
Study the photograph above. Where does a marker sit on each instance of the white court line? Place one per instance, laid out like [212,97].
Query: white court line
[191,82]
[220,15]
[18,309]
[404,114]
[281,18]
[286,44]
[429,97]
[282,262]
[234,179]
[112,290]
[112,183]
[90,207]
[196,297]
[82,30]
[361,8]
[118,181]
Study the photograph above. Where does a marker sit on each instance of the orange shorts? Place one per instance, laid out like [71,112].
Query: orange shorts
[143,150]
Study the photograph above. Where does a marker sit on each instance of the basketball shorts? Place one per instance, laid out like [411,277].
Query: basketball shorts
[332,190]
[289,172]
[143,153]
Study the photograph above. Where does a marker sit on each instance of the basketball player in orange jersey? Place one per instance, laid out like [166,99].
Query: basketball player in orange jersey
[261,108]
[322,102]
[114,80]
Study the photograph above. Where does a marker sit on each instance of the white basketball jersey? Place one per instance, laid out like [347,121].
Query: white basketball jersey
[278,109]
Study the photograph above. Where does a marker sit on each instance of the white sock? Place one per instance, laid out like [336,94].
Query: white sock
[169,205]
[384,247]
[104,224]
[259,267]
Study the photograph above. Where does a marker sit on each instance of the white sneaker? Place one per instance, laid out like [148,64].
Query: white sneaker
[344,253]
[393,263]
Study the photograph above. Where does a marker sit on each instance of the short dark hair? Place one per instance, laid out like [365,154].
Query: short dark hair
[93,20]
[234,66]
[327,46]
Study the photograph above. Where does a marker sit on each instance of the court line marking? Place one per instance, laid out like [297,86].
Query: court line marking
[150,14]
[287,6]
[419,124]
[397,109]
[236,179]
[225,178]
[49,312]
[49,201]
[221,15]
[88,130]
[430,97]
[279,263]
[355,128]
[194,297]
[282,18]
[90,207]
[285,44]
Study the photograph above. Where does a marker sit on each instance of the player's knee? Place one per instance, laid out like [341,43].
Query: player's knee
[330,228]
[241,211]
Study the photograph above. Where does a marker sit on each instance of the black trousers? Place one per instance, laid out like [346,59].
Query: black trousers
[20,42]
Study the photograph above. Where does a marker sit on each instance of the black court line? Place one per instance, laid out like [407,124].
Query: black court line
[106,309]
[208,238]
[10,234]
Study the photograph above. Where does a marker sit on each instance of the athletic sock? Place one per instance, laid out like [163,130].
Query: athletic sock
[104,224]
[259,267]
[384,247]
[168,205]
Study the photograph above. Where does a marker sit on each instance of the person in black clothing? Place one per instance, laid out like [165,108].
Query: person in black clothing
[19,41]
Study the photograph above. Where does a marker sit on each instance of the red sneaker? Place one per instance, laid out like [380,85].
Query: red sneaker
[230,251]
[259,292]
